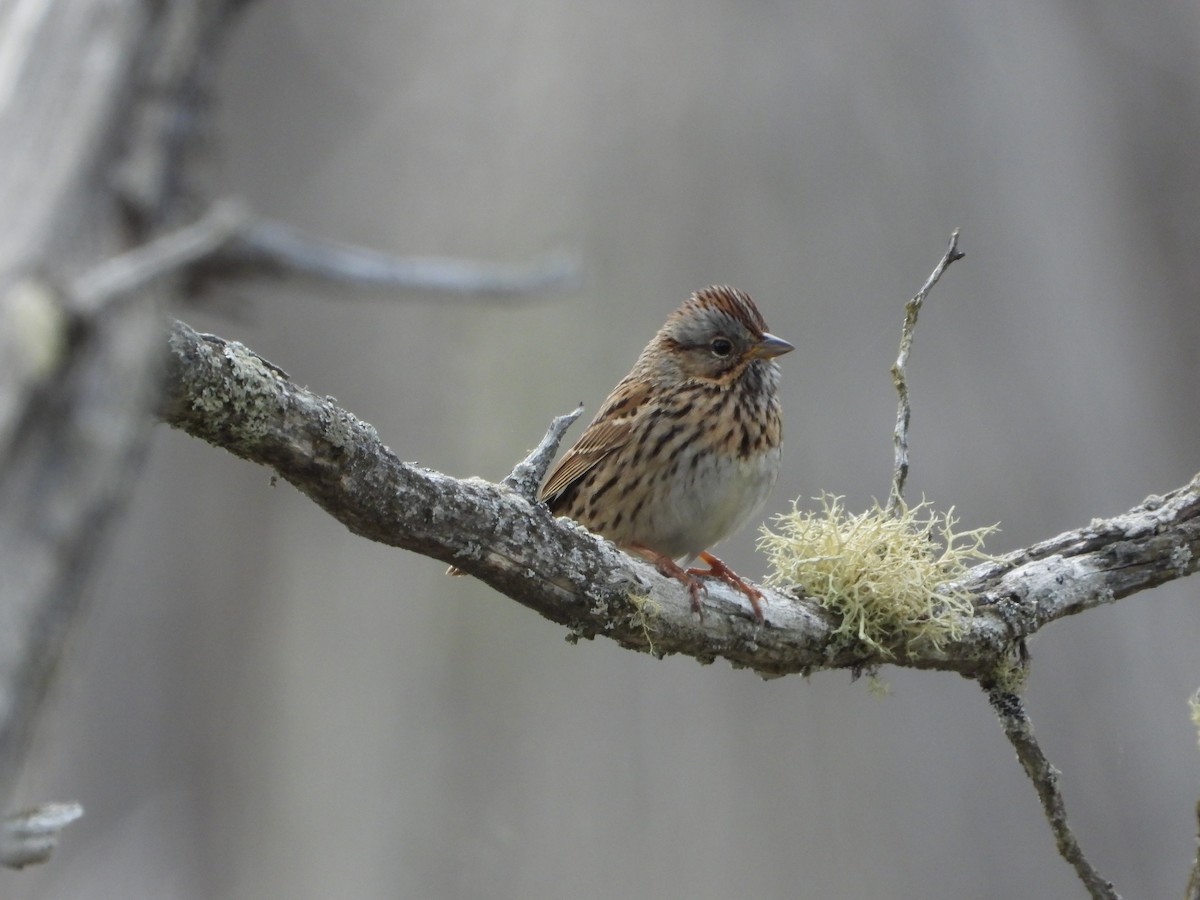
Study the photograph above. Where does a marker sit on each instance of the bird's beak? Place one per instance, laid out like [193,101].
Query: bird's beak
[770,347]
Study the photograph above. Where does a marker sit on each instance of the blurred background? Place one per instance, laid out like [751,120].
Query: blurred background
[260,704]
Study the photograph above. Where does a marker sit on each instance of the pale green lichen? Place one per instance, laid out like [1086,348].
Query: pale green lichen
[885,575]
[648,610]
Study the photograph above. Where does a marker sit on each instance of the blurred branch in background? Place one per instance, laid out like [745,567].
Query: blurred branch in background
[97,115]
[29,837]
[262,247]
[96,243]
[228,241]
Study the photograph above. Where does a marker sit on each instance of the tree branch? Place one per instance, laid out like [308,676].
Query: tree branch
[223,393]
[1019,731]
[900,374]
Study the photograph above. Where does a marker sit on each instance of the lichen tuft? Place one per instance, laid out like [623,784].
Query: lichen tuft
[647,613]
[885,575]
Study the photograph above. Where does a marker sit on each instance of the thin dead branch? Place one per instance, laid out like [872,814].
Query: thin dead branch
[1019,731]
[900,373]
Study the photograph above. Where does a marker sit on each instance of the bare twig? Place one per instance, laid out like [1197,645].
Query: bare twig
[899,375]
[1044,776]
[31,835]
[529,472]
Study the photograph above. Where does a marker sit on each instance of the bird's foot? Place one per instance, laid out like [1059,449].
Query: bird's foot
[687,577]
[718,569]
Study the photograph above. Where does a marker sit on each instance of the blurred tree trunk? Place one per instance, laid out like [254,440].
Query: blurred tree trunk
[100,103]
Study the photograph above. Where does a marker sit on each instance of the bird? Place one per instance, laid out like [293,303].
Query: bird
[687,446]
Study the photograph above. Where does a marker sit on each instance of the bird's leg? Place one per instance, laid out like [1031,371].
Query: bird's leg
[718,569]
[687,577]
[672,569]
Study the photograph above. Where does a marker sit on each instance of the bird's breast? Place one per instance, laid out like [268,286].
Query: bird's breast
[718,495]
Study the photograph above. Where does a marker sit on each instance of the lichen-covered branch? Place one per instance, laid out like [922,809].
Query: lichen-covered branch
[223,393]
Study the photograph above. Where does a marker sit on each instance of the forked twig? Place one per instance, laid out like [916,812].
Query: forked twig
[899,376]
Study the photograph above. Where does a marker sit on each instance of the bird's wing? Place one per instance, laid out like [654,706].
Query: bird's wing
[610,430]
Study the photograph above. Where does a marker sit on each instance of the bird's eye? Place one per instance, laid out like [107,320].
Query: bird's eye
[721,347]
